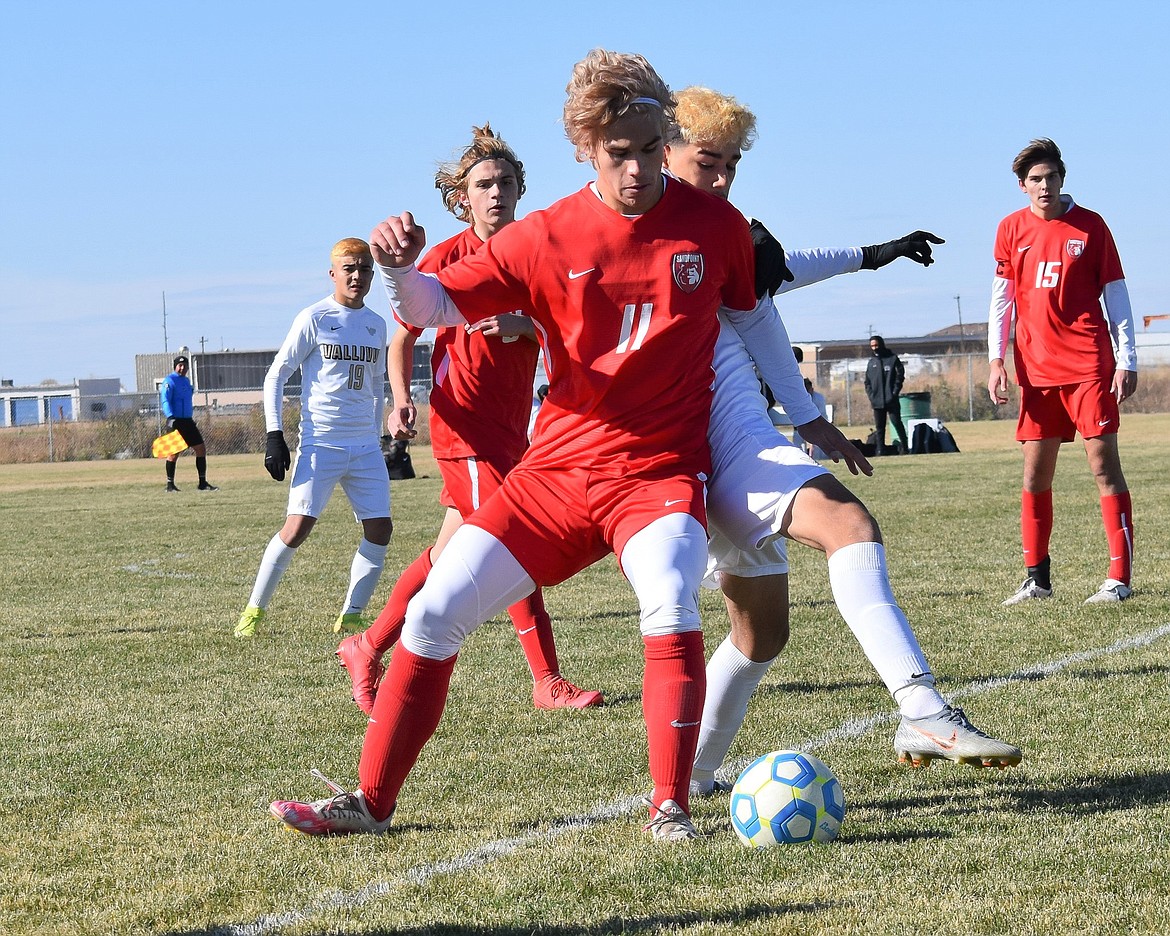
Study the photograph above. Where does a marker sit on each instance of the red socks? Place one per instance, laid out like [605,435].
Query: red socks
[673,688]
[410,703]
[1035,525]
[534,630]
[387,628]
[1117,513]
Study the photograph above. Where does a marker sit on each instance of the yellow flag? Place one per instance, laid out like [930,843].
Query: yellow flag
[170,444]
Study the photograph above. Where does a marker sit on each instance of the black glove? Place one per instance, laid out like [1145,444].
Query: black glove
[916,246]
[170,423]
[276,456]
[771,268]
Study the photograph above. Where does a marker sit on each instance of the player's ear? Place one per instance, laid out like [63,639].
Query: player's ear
[666,155]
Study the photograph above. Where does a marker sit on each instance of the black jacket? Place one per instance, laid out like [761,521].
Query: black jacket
[884,376]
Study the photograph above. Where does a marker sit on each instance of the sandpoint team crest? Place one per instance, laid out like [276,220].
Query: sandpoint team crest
[1075,248]
[688,271]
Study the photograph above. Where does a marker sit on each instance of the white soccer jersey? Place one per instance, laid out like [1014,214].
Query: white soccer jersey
[755,470]
[342,356]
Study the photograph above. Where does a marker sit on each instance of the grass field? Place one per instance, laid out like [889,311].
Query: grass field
[141,743]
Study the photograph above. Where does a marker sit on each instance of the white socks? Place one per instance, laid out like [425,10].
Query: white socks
[861,588]
[731,680]
[363,575]
[276,558]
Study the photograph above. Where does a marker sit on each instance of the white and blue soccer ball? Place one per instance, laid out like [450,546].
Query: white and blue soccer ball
[787,796]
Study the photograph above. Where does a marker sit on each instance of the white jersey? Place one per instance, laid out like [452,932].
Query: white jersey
[737,399]
[756,471]
[341,353]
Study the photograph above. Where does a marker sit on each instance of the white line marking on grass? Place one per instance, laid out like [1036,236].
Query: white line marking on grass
[501,848]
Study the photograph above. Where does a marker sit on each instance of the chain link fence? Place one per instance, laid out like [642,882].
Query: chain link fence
[956,386]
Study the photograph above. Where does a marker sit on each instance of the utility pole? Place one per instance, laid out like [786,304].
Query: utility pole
[202,352]
[970,375]
[166,350]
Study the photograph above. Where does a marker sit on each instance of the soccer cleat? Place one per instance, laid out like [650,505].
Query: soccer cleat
[670,824]
[246,625]
[206,486]
[348,623]
[365,670]
[708,788]
[554,691]
[1111,590]
[171,489]
[1027,591]
[950,736]
[344,813]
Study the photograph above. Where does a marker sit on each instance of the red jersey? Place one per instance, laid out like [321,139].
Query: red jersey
[481,399]
[1059,269]
[626,311]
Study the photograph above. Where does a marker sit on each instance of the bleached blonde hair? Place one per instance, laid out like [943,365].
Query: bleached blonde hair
[451,179]
[706,116]
[607,86]
[350,247]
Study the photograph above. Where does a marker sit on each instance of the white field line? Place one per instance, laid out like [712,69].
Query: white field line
[501,848]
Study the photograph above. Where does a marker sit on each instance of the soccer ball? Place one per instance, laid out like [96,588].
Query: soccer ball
[786,796]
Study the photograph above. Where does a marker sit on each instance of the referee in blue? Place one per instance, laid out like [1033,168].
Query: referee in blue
[175,397]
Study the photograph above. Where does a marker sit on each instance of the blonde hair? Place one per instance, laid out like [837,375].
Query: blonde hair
[604,88]
[350,247]
[451,179]
[706,116]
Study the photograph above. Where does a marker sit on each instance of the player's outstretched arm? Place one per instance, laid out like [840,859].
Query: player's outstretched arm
[827,437]
[397,241]
[915,246]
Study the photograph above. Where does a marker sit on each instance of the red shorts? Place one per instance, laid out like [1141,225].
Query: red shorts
[1089,408]
[469,482]
[557,522]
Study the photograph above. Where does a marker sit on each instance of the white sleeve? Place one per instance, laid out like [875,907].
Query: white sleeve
[999,317]
[766,339]
[298,345]
[1120,315]
[419,298]
[813,266]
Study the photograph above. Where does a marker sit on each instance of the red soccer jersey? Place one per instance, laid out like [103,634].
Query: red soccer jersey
[1059,268]
[625,308]
[481,399]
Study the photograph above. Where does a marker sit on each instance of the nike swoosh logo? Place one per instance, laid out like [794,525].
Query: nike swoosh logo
[683,724]
[334,327]
[677,500]
[946,743]
[527,630]
[1022,249]
[573,275]
[1104,422]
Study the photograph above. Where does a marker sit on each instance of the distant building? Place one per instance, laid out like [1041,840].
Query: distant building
[84,400]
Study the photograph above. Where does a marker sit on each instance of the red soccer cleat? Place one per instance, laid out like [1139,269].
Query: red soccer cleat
[555,691]
[365,670]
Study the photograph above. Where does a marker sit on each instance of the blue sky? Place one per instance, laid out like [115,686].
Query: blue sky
[215,151]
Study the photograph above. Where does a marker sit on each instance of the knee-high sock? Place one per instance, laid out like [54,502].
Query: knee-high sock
[861,588]
[170,471]
[672,707]
[406,713]
[731,680]
[363,576]
[534,630]
[201,468]
[1117,512]
[387,628]
[275,560]
[1035,526]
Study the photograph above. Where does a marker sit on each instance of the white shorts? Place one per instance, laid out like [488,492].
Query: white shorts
[756,474]
[361,471]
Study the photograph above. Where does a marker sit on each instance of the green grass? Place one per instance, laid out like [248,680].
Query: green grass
[141,744]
